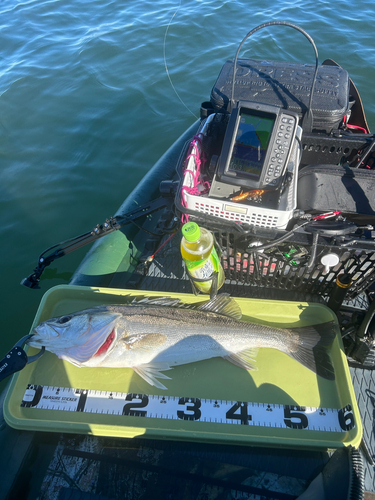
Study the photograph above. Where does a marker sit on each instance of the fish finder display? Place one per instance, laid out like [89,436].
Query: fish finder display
[256,149]
[250,147]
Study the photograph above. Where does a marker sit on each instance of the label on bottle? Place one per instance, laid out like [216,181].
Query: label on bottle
[203,269]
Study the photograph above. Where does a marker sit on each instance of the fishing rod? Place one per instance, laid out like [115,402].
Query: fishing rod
[110,225]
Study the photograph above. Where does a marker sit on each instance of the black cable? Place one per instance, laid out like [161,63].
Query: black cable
[314,248]
[146,230]
[283,238]
[368,151]
[308,115]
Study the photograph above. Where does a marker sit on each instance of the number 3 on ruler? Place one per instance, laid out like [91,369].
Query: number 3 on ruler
[193,407]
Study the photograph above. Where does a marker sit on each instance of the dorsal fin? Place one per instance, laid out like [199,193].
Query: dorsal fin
[156,301]
[221,304]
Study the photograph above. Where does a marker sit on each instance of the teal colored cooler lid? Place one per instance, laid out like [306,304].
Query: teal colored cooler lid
[191,231]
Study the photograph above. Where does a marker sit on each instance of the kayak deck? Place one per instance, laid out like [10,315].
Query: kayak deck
[78,465]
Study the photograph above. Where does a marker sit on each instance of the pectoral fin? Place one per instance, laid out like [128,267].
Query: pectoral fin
[244,359]
[151,372]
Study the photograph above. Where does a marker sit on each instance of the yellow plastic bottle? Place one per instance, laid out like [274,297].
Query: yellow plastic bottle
[199,254]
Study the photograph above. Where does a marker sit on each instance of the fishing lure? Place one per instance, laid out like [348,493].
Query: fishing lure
[255,193]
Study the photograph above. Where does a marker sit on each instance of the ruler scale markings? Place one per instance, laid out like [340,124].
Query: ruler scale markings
[191,409]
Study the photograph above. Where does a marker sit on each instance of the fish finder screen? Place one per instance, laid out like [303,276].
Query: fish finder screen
[251,143]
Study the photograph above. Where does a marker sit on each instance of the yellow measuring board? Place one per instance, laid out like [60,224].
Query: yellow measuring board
[281,403]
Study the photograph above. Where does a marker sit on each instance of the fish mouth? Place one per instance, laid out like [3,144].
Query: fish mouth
[106,344]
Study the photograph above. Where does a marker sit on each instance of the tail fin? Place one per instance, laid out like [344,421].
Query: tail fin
[308,345]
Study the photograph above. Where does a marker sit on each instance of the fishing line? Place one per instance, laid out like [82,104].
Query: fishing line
[166,66]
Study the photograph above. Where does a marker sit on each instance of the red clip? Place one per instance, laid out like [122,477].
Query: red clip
[328,214]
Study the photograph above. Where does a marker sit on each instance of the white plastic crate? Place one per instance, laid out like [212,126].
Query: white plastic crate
[238,212]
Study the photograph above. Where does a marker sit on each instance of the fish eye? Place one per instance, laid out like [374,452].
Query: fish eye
[64,319]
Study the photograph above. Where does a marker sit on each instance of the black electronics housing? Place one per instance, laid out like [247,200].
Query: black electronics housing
[287,85]
[256,148]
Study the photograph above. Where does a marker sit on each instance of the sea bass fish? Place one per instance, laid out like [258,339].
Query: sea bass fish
[153,335]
